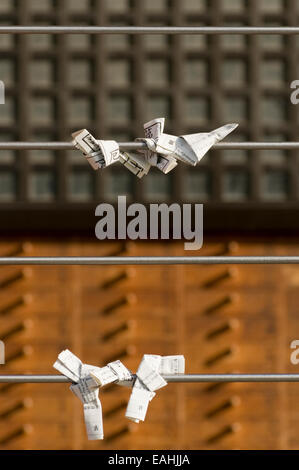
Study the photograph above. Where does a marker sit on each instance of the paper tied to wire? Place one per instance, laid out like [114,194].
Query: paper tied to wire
[149,379]
[87,380]
[162,150]
[99,153]
[165,149]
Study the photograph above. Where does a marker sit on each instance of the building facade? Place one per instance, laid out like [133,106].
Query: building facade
[224,319]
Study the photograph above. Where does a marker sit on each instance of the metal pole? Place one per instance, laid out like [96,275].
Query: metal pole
[248,30]
[189,378]
[145,260]
[34,379]
[61,145]
[141,145]
[183,378]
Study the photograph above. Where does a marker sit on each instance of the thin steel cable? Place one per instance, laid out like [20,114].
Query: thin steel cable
[141,145]
[144,260]
[182,378]
[247,30]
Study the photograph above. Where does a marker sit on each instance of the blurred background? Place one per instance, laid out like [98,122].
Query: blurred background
[222,318]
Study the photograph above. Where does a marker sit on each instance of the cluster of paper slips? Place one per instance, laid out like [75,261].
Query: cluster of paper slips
[87,380]
[162,150]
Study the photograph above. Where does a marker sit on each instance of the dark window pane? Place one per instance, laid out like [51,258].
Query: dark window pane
[233,6]
[234,72]
[157,106]
[275,185]
[119,109]
[119,72]
[197,109]
[118,183]
[157,186]
[235,185]
[235,109]
[80,73]
[273,109]
[197,185]
[194,6]
[117,6]
[156,72]
[42,110]
[196,72]
[41,73]
[80,111]
[273,73]
[7,71]
[7,186]
[41,186]
[8,112]
[80,186]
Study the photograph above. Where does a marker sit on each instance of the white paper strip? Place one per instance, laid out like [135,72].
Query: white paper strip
[85,388]
[148,372]
[138,404]
[149,379]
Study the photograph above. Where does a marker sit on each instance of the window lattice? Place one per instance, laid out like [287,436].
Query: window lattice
[112,84]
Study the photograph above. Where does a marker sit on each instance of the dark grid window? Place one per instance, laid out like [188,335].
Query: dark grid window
[112,84]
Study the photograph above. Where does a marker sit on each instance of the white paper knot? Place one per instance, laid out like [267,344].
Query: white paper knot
[87,380]
[162,150]
[148,380]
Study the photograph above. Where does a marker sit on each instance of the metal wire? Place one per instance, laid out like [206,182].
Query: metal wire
[183,378]
[145,260]
[248,30]
[61,145]
[141,145]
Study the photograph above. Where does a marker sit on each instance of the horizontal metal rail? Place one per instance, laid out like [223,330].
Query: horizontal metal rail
[248,30]
[62,145]
[145,260]
[182,378]
[141,145]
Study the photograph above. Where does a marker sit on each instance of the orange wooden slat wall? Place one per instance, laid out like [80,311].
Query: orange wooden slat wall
[222,318]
